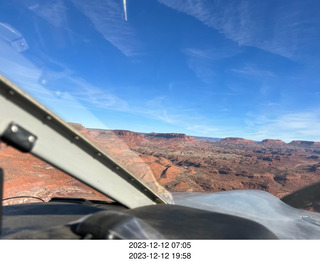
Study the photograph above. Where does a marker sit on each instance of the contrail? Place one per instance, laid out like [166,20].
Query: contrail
[125,9]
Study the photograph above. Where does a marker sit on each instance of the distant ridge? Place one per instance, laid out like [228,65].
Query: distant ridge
[126,134]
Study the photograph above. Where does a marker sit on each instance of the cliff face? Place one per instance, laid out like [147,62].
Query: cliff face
[77,126]
[271,142]
[304,143]
[173,137]
[169,135]
[129,137]
[232,140]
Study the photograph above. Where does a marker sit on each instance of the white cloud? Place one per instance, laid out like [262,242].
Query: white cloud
[191,123]
[206,62]
[287,127]
[75,99]
[253,71]
[204,129]
[54,12]
[183,118]
[166,115]
[265,79]
[107,17]
[201,62]
[74,93]
[96,97]
[246,22]
[199,53]
[156,101]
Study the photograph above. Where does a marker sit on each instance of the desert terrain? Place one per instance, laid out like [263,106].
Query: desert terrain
[177,162]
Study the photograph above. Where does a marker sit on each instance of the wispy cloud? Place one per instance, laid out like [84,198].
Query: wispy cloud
[76,100]
[199,53]
[287,126]
[57,88]
[107,17]
[207,62]
[159,108]
[204,129]
[253,70]
[96,97]
[247,23]
[202,63]
[54,12]
[186,119]
[190,123]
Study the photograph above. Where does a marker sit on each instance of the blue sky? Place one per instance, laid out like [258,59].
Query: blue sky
[232,68]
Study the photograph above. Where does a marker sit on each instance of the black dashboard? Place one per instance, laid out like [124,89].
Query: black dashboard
[82,219]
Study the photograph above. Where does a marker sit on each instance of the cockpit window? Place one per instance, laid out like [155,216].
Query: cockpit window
[189,96]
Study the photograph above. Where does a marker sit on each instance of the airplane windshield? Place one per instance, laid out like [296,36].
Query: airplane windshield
[189,96]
